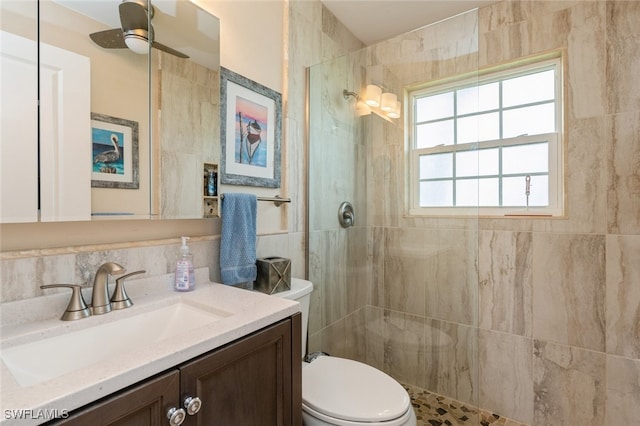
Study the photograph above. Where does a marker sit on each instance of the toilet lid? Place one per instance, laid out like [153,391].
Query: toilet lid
[350,390]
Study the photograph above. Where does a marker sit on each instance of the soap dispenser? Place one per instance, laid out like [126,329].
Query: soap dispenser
[185,279]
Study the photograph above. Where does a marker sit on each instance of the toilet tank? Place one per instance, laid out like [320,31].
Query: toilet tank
[300,292]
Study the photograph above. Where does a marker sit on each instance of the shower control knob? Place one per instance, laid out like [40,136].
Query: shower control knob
[176,416]
[192,405]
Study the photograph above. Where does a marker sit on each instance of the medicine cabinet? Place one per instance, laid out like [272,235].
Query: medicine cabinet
[47,167]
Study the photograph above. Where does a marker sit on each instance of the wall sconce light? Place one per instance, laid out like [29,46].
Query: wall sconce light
[372,97]
[385,105]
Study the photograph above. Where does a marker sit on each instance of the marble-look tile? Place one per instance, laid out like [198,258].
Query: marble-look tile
[405,271]
[358,279]
[623,157]
[338,32]
[583,28]
[569,386]
[276,245]
[377,266]
[503,14]
[505,367]
[505,281]
[297,251]
[404,357]
[623,55]
[623,295]
[451,275]
[585,176]
[356,335]
[375,340]
[569,289]
[179,171]
[317,275]
[334,339]
[623,391]
[451,354]
[19,278]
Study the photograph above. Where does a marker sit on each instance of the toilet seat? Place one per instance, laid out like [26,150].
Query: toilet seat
[353,392]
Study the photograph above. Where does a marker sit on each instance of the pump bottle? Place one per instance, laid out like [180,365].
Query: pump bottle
[185,279]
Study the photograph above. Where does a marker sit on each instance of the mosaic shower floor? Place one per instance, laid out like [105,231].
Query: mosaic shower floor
[435,410]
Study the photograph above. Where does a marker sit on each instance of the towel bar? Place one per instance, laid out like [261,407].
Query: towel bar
[277,200]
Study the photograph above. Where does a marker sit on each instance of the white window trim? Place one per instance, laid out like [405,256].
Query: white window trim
[555,140]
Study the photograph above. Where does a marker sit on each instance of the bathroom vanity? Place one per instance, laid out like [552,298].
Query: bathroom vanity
[248,382]
[234,352]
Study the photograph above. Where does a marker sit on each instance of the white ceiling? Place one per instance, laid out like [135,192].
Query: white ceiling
[376,20]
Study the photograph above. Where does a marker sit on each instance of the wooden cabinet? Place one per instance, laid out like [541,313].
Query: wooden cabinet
[142,405]
[256,380]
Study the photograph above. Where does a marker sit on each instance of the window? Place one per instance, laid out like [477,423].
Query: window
[491,146]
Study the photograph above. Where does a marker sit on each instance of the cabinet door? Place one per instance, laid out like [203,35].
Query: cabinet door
[248,382]
[142,405]
[18,129]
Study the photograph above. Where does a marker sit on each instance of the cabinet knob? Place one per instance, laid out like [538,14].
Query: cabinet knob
[176,416]
[192,405]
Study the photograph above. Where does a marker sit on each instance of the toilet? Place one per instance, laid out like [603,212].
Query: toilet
[342,392]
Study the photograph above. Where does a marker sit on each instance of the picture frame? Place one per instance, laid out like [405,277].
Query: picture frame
[251,129]
[114,152]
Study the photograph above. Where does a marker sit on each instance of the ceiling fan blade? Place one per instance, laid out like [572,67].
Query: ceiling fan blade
[109,39]
[133,16]
[167,49]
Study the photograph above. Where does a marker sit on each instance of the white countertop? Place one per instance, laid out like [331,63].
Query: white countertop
[248,312]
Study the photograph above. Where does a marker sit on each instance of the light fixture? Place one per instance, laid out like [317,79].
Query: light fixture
[372,96]
[395,112]
[388,102]
[389,108]
[137,41]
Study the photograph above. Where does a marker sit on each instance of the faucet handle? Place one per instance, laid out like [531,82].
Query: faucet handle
[77,308]
[120,299]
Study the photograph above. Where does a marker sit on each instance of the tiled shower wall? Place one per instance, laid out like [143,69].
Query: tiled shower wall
[534,319]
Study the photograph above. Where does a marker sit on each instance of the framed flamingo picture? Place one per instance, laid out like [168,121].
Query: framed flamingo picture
[114,154]
[250,126]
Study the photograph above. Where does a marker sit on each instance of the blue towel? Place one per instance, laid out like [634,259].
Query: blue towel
[238,239]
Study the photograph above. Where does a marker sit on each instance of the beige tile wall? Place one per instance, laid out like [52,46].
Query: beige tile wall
[536,320]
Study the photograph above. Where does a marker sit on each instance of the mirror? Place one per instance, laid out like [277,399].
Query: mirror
[171,103]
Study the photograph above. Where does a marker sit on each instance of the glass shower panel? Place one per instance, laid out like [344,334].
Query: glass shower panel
[396,291]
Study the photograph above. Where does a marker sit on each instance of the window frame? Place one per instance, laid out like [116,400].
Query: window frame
[554,139]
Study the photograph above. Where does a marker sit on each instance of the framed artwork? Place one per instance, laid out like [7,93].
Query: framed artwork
[114,152]
[250,127]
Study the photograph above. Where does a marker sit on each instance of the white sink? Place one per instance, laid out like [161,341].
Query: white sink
[41,360]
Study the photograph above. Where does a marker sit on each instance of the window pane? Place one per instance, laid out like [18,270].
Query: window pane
[467,193]
[484,127]
[532,120]
[489,162]
[489,192]
[514,188]
[434,107]
[478,98]
[477,192]
[532,158]
[436,194]
[529,88]
[436,166]
[467,163]
[434,134]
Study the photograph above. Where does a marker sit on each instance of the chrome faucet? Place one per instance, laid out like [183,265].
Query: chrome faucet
[100,303]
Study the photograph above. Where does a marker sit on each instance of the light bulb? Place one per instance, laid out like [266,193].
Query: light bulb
[395,113]
[137,41]
[388,103]
[373,95]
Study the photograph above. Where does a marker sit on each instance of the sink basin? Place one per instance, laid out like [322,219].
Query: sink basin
[38,361]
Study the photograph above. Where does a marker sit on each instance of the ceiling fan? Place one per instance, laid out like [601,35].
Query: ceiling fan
[136,32]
